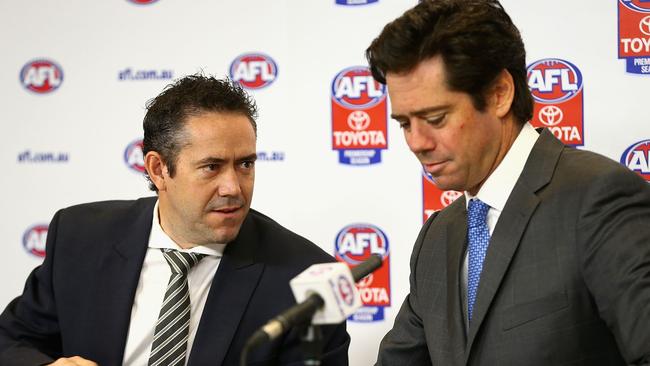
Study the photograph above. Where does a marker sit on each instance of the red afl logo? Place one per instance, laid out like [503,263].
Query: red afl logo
[355,88]
[254,70]
[637,158]
[34,240]
[134,157]
[41,76]
[355,243]
[642,6]
[554,80]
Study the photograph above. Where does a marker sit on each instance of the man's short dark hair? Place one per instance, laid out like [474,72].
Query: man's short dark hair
[189,96]
[476,40]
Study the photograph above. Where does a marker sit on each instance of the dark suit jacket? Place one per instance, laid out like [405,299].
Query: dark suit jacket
[566,278]
[78,302]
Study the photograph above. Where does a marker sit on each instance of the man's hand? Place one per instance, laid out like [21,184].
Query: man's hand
[73,361]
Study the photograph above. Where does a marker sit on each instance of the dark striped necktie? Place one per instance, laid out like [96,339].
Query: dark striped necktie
[172,329]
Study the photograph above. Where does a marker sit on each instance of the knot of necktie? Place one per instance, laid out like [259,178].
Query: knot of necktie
[477,212]
[181,262]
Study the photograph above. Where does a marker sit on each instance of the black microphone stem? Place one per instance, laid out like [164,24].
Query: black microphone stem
[312,344]
[366,267]
[302,313]
[296,315]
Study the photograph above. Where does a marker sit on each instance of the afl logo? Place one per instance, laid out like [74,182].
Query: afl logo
[357,242]
[134,157]
[637,158]
[254,70]
[143,2]
[355,88]
[554,80]
[41,76]
[34,240]
[642,6]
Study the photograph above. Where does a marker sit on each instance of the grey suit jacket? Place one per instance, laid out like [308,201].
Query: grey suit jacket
[566,278]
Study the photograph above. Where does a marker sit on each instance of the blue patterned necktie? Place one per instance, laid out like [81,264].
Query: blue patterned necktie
[478,235]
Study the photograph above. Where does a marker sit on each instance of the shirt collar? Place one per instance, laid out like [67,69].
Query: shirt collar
[498,186]
[158,239]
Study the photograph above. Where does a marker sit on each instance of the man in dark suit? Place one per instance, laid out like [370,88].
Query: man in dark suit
[545,259]
[184,278]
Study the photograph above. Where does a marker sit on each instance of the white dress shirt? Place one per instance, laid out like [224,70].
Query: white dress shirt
[497,188]
[151,289]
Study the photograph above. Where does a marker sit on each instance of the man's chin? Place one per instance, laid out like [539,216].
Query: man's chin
[445,184]
[225,236]
[223,229]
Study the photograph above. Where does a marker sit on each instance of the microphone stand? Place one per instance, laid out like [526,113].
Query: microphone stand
[312,344]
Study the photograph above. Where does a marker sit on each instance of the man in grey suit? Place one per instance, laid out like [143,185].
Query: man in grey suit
[545,259]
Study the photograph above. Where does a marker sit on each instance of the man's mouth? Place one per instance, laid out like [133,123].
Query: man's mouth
[227,210]
[434,167]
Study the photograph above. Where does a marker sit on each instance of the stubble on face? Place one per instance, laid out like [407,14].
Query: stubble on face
[457,144]
[209,197]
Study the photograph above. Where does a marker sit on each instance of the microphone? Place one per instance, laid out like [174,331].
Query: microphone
[325,294]
[366,267]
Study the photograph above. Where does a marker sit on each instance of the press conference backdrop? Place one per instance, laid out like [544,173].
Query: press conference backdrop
[75,76]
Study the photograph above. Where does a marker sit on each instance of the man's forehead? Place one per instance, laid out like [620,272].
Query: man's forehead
[432,67]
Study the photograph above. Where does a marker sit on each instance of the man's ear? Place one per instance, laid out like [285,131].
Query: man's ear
[156,169]
[502,93]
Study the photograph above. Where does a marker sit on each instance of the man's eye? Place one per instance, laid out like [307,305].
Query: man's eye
[211,167]
[405,125]
[248,164]
[435,120]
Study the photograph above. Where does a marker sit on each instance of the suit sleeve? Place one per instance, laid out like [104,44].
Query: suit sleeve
[29,329]
[614,235]
[405,343]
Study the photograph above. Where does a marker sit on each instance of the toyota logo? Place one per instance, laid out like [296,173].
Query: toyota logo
[358,120]
[550,115]
[447,197]
[644,25]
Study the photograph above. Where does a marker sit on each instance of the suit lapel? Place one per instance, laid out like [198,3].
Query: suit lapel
[230,292]
[503,244]
[512,223]
[117,279]
[456,242]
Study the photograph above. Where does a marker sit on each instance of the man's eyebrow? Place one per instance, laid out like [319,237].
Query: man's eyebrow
[210,160]
[252,156]
[420,112]
[216,160]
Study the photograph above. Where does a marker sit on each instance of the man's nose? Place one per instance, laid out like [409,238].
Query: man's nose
[419,138]
[229,183]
